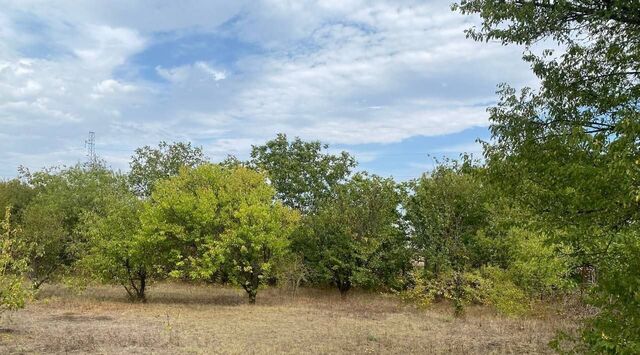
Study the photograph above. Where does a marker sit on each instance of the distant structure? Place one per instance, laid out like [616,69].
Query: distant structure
[90,144]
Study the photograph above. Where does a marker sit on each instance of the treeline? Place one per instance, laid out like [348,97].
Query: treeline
[292,214]
[499,233]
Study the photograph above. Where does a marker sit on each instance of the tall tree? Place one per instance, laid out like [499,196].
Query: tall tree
[149,165]
[301,172]
[570,150]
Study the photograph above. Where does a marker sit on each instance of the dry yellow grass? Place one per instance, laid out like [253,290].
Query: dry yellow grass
[206,319]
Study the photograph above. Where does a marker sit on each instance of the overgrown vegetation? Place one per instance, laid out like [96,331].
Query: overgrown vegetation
[13,293]
[569,151]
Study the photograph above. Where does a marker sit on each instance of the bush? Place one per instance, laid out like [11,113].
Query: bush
[488,286]
[537,267]
[503,294]
[461,288]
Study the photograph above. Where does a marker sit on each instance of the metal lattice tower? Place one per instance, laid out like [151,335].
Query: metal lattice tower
[90,144]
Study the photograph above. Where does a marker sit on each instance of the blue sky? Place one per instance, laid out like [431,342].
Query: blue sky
[394,82]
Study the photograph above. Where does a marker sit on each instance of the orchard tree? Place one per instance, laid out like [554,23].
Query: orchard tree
[301,172]
[355,238]
[149,165]
[213,218]
[570,150]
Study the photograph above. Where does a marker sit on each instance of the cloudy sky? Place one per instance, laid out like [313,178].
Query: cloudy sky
[394,82]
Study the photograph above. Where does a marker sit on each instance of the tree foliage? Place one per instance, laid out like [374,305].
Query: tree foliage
[356,237]
[569,151]
[150,165]
[116,249]
[51,220]
[17,195]
[300,171]
[13,293]
[213,218]
[446,210]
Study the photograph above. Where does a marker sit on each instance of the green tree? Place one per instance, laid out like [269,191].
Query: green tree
[213,218]
[300,171]
[51,220]
[16,194]
[149,165]
[569,151]
[445,211]
[116,249]
[355,238]
[13,293]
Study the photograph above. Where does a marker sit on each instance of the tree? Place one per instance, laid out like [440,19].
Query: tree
[213,218]
[445,211]
[16,194]
[51,220]
[13,266]
[300,171]
[149,165]
[569,151]
[117,250]
[355,238]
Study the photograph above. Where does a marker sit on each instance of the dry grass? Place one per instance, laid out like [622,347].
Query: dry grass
[205,319]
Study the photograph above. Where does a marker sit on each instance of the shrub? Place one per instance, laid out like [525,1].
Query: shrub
[488,286]
[503,294]
[460,288]
[537,267]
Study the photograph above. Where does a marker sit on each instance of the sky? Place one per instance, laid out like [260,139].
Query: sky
[393,82]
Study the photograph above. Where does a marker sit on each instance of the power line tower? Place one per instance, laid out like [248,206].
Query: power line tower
[90,144]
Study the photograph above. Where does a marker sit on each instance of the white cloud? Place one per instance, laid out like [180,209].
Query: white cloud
[110,87]
[215,74]
[346,72]
[185,73]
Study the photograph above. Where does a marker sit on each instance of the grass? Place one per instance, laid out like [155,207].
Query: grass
[183,318]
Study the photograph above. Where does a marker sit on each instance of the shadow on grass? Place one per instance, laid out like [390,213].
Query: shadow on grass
[164,294]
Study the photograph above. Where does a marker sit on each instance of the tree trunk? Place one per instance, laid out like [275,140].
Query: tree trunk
[136,291]
[141,295]
[251,286]
[343,287]
[252,296]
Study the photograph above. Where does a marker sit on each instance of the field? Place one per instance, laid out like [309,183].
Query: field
[205,319]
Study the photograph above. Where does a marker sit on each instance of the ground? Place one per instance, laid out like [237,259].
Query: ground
[206,319]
